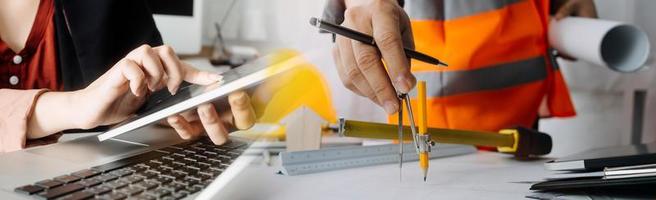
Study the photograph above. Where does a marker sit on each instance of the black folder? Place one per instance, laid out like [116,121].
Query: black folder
[597,184]
[598,159]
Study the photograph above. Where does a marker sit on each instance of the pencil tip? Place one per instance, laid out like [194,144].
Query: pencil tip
[424,179]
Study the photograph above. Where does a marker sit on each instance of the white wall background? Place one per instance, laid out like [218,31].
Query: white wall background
[602,97]
[286,22]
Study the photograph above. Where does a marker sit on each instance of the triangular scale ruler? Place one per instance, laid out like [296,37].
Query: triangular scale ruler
[307,162]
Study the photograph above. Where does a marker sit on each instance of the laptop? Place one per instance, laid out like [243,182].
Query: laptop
[149,163]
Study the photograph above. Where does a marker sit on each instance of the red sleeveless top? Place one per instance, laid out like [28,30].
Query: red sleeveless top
[35,66]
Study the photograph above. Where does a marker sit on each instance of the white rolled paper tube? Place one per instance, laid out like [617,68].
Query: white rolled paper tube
[618,46]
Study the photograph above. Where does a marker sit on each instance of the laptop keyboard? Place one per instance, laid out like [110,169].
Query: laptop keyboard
[172,172]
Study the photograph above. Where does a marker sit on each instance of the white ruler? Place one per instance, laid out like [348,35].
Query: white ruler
[306,162]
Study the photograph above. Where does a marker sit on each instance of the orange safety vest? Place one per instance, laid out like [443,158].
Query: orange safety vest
[499,70]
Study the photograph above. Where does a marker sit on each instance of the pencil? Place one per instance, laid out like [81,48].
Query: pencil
[423,129]
[366,39]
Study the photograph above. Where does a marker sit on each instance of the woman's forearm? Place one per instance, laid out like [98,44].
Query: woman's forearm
[53,112]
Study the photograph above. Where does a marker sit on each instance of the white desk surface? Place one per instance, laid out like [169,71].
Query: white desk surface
[482,175]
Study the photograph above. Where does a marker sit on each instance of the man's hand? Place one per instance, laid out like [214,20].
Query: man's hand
[580,8]
[359,65]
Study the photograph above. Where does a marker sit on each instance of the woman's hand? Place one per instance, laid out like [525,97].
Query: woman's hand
[205,119]
[118,93]
[359,65]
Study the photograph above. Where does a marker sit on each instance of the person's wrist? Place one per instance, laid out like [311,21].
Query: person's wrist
[65,109]
[35,124]
[77,102]
[52,113]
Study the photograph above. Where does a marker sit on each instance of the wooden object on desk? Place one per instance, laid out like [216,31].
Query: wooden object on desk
[303,129]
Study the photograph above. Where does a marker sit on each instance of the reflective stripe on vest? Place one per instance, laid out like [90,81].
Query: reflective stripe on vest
[451,9]
[440,84]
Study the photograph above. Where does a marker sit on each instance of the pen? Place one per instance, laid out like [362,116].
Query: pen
[423,154]
[364,38]
[400,132]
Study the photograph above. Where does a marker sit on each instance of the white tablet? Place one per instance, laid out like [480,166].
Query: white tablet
[162,104]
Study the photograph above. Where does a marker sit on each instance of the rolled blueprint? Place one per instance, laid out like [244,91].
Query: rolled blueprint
[616,45]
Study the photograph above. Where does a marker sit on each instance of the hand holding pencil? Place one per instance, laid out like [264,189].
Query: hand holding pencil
[374,31]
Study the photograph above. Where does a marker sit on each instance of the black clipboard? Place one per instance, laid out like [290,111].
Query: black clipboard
[597,183]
